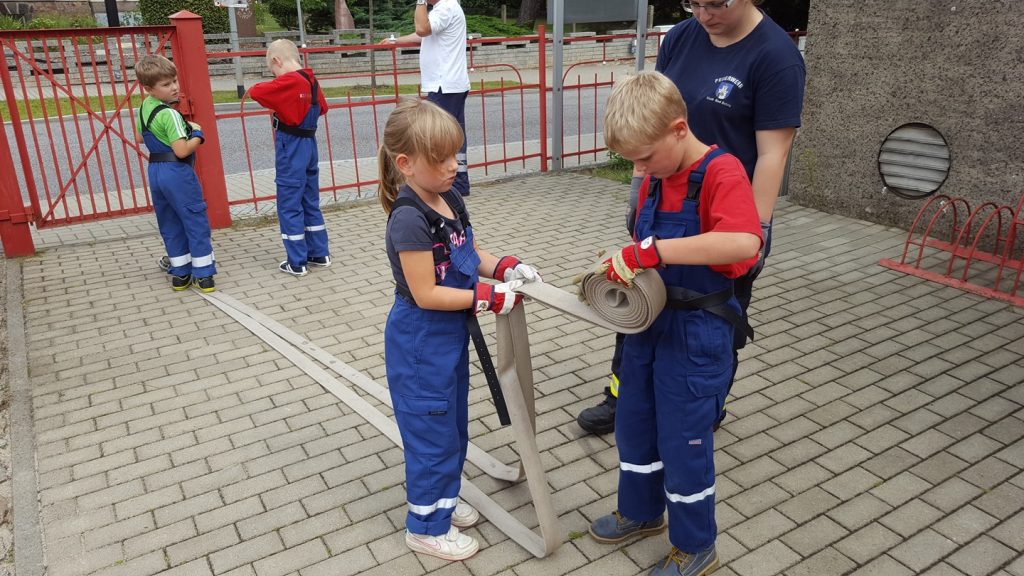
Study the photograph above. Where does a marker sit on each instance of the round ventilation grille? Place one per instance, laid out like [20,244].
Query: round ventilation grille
[914,160]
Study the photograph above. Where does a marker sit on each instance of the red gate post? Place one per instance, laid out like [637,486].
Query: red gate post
[189,51]
[542,75]
[14,220]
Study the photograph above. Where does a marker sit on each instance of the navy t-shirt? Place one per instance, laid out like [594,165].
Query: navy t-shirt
[408,229]
[731,92]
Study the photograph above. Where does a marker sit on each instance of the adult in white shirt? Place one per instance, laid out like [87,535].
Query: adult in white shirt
[441,34]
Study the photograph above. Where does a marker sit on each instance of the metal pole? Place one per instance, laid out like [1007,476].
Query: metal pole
[302,26]
[239,82]
[641,33]
[556,86]
[373,54]
[113,19]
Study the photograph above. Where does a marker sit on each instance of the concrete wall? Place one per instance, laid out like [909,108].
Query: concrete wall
[873,65]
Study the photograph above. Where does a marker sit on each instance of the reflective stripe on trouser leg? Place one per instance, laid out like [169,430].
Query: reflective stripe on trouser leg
[430,393]
[313,218]
[641,494]
[290,217]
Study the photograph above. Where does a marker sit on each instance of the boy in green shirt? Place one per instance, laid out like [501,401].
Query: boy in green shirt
[177,196]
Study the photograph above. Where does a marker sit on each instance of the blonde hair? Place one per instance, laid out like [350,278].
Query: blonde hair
[416,128]
[641,110]
[153,68]
[284,49]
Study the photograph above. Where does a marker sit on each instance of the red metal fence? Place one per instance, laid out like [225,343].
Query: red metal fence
[72,99]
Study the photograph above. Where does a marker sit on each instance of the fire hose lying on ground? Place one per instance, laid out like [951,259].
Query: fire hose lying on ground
[610,305]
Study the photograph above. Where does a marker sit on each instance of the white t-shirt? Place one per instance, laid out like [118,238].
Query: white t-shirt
[443,53]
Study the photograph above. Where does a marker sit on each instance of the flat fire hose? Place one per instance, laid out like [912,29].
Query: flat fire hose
[636,308]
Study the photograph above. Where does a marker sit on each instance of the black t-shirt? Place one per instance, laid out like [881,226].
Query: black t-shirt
[408,229]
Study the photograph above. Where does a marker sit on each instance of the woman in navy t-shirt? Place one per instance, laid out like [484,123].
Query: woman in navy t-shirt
[742,78]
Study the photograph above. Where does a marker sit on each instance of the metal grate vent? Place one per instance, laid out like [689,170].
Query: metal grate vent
[914,160]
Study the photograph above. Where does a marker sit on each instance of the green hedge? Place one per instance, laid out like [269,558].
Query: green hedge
[215,19]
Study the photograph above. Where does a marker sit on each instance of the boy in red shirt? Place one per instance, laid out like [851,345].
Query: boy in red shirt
[297,101]
[697,225]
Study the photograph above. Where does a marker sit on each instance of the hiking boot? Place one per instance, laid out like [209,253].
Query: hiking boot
[615,528]
[599,419]
[451,546]
[204,284]
[319,261]
[680,563]
[718,423]
[464,515]
[179,283]
[164,263]
[288,269]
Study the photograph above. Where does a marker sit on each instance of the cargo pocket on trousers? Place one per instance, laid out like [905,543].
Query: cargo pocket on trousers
[708,341]
[425,421]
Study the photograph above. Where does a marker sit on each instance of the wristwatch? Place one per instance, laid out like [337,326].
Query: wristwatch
[421,2]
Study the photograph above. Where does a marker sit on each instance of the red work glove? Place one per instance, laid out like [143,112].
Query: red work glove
[510,268]
[498,298]
[630,261]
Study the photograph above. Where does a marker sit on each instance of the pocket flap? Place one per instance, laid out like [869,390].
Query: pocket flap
[422,406]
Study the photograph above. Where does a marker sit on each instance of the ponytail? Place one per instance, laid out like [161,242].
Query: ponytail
[389,177]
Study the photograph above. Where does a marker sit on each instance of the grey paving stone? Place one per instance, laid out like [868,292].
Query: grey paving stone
[762,528]
[923,550]
[901,488]
[771,558]
[981,556]
[859,511]
[814,535]
[868,543]
[911,517]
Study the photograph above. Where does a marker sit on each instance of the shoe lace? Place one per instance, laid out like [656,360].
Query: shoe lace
[679,557]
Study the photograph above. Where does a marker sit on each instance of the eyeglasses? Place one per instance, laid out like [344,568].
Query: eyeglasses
[709,7]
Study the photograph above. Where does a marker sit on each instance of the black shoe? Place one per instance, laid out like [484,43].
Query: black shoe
[287,269]
[599,419]
[319,261]
[164,263]
[204,284]
[718,423]
[179,283]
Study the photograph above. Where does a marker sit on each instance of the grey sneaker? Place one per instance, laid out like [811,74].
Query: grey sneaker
[680,563]
[164,263]
[615,528]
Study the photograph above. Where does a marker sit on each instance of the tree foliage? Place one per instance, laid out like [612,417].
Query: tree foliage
[215,20]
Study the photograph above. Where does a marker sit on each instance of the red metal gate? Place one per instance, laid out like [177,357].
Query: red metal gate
[72,96]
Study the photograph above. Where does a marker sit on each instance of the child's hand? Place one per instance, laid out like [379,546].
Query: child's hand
[511,268]
[195,126]
[498,298]
[624,266]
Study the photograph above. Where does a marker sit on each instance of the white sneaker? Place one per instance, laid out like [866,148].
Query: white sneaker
[451,546]
[464,515]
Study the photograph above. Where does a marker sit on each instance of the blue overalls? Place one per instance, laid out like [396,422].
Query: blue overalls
[674,380]
[179,206]
[298,186]
[426,353]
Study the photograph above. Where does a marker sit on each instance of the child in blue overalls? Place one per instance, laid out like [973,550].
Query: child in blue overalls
[297,101]
[437,267]
[698,227]
[177,197]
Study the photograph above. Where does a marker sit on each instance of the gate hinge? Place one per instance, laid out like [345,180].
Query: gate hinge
[15,217]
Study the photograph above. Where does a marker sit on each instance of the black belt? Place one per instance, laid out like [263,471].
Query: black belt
[715,303]
[486,364]
[293,130]
[171,157]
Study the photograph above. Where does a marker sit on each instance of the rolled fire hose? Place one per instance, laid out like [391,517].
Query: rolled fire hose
[611,306]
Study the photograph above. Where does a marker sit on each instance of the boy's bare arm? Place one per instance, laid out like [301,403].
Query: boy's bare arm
[709,248]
